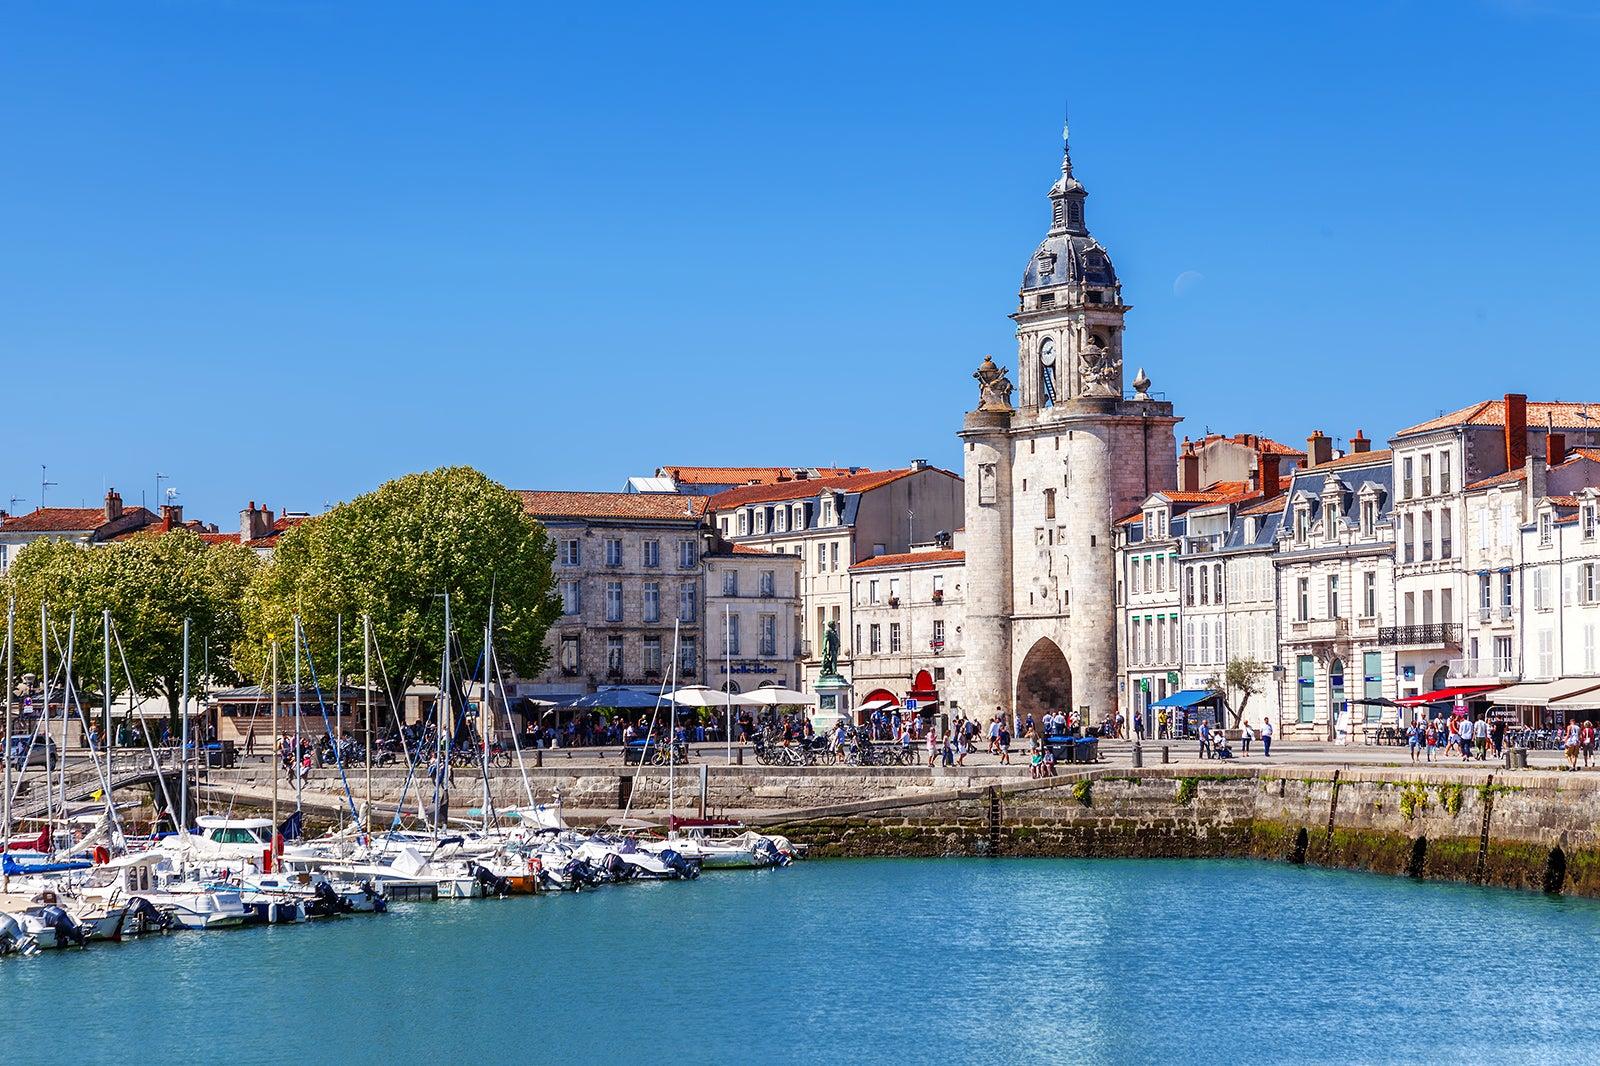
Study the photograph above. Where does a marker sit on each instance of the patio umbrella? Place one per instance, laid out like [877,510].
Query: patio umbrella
[782,697]
[625,699]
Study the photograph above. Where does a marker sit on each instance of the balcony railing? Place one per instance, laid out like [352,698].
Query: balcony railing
[1486,667]
[1437,634]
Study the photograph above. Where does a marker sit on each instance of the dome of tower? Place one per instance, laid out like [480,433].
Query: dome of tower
[1069,258]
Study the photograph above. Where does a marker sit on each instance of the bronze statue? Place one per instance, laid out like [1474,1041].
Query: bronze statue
[830,650]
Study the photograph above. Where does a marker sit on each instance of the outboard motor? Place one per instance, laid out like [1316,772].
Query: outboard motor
[493,884]
[67,928]
[146,917]
[616,868]
[767,854]
[14,940]
[581,874]
[681,867]
[325,902]
[380,902]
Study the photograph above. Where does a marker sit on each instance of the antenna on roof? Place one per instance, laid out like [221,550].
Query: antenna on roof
[160,477]
[12,506]
[43,484]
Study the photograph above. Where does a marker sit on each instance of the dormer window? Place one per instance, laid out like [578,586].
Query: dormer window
[1546,529]
[1047,260]
[1369,517]
[1589,520]
[1330,521]
[1302,523]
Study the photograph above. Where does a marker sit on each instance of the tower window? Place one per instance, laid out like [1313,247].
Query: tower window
[1075,212]
[1047,299]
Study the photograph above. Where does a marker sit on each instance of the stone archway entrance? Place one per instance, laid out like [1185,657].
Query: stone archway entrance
[1045,681]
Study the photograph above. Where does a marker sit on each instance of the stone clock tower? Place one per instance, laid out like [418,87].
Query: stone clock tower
[1047,478]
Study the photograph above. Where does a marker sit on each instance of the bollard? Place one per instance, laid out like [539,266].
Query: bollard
[1166,753]
[738,755]
[538,756]
[1138,754]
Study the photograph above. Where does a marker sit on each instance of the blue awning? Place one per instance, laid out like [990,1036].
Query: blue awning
[617,699]
[1187,698]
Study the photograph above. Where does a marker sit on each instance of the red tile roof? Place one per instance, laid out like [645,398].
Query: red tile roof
[798,490]
[71,520]
[1591,454]
[745,475]
[1269,506]
[944,555]
[1506,478]
[1380,457]
[1541,414]
[640,505]
[1251,441]
[745,549]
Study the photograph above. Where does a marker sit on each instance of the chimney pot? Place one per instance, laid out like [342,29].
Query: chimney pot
[1360,443]
[113,505]
[1319,448]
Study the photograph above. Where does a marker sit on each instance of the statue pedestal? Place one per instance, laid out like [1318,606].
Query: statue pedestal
[833,701]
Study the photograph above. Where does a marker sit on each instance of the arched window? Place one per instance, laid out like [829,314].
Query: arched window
[1047,372]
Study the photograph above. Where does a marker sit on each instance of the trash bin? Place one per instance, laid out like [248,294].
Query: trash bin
[1138,754]
[1088,749]
[636,752]
[1060,747]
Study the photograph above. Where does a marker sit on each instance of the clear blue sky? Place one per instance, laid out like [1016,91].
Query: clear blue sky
[282,249]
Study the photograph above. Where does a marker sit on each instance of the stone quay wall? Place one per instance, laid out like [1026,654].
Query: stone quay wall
[1518,830]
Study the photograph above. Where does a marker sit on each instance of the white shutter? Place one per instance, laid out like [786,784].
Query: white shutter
[1566,587]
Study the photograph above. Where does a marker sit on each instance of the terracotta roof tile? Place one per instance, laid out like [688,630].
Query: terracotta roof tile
[1252,441]
[1541,414]
[1591,454]
[1506,478]
[799,490]
[70,519]
[1269,506]
[912,559]
[641,505]
[744,475]
[1356,459]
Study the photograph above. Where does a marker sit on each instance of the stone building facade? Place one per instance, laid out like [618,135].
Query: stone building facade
[752,623]
[908,612]
[1047,478]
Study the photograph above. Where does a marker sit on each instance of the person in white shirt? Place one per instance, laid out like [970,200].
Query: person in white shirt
[1266,737]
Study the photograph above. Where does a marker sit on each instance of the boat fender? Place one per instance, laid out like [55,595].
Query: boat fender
[102,855]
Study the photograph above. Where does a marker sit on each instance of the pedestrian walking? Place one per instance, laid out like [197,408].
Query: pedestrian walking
[1574,739]
[1586,741]
[1244,738]
[1266,738]
[1205,740]
[1480,737]
[1005,745]
[1414,740]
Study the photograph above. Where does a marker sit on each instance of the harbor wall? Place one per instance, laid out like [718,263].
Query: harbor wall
[1527,831]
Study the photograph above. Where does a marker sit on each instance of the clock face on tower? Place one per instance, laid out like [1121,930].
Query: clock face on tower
[1047,372]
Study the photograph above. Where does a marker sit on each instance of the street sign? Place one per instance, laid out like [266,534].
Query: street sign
[910,705]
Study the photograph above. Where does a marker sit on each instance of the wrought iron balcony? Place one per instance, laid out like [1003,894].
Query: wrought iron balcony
[1432,635]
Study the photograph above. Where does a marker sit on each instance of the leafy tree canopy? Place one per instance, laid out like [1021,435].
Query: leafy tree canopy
[391,554]
[150,584]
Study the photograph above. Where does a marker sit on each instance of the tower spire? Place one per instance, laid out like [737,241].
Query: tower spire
[1066,141]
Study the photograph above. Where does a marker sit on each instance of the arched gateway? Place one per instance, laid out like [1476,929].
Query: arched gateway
[1045,681]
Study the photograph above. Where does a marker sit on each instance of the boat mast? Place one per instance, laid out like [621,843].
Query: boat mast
[5,828]
[44,672]
[672,729]
[298,754]
[443,719]
[276,760]
[68,696]
[727,671]
[183,740]
[366,681]
[338,696]
[486,713]
[105,707]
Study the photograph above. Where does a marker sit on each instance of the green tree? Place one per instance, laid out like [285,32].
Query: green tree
[150,584]
[1246,677]
[391,554]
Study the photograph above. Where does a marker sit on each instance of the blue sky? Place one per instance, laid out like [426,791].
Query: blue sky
[283,250]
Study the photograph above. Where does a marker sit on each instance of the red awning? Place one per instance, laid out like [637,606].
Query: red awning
[1445,695]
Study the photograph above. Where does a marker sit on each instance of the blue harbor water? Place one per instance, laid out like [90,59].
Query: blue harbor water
[941,961]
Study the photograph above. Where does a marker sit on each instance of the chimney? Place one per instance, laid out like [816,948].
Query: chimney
[254,523]
[113,505]
[1516,430]
[1360,444]
[1534,485]
[1319,448]
[1555,448]
[919,464]
[1267,465]
[171,515]
[1188,469]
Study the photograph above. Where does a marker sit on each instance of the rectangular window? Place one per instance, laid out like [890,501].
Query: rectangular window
[650,653]
[1444,472]
[1547,653]
[769,634]
[1588,648]
[1502,655]
[1405,478]
[688,655]
[652,553]
[731,626]
[1302,611]
[1541,590]
[1427,536]
[938,634]
[1546,530]
[872,591]
[1050,504]
[874,638]
[822,557]
[767,583]
[1589,520]
[1135,586]
[1369,594]
[744,523]
[614,656]
[569,553]
[652,601]
[894,638]
[730,582]
[1306,689]
[1427,475]
[833,556]
[613,551]
[1505,595]
[571,597]
[613,601]
[1333,595]
[1408,541]
[1591,589]
[1136,627]
[687,555]
[1485,597]
[686,603]
[894,590]
[1446,534]
[571,655]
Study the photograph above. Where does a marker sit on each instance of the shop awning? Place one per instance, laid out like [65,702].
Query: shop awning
[1445,695]
[1186,698]
[1543,693]
[1586,698]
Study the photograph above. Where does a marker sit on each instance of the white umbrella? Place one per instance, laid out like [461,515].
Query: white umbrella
[877,705]
[782,697]
[701,696]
